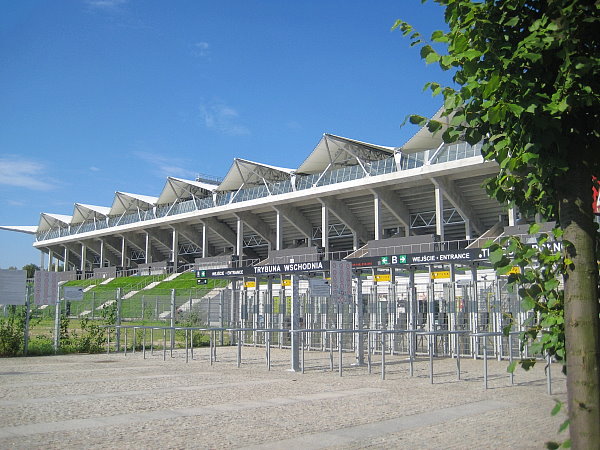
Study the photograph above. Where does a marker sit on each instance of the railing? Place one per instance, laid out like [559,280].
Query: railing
[452,152]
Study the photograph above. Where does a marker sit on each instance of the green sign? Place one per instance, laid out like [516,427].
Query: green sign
[394,259]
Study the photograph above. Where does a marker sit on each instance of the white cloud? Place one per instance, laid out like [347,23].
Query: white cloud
[166,166]
[222,118]
[293,125]
[94,169]
[201,49]
[20,172]
[105,4]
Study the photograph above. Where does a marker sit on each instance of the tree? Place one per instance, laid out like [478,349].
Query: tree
[30,268]
[527,85]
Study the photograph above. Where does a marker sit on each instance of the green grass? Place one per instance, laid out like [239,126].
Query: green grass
[145,303]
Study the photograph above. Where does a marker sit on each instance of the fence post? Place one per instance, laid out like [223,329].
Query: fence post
[118,321]
[172,318]
[57,321]
[358,321]
[295,337]
[26,331]
[93,304]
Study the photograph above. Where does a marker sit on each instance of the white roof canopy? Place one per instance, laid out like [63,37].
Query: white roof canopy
[249,173]
[49,221]
[125,202]
[178,188]
[82,212]
[335,151]
[424,139]
[28,229]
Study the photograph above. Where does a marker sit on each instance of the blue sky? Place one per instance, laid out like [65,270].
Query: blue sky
[106,95]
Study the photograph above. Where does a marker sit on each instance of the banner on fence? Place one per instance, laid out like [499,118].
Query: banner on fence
[73,293]
[341,281]
[12,287]
[45,287]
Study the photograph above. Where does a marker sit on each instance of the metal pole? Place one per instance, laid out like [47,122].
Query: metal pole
[186,345]
[118,321]
[430,357]
[239,349]
[144,344]
[172,320]
[57,322]
[295,344]
[340,351]
[164,344]
[383,356]
[26,330]
[485,368]
[360,344]
[549,374]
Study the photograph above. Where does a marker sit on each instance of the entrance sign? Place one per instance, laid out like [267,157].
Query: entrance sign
[12,287]
[71,293]
[341,281]
[383,277]
[319,287]
[440,274]
[270,269]
[45,287]
[447,257]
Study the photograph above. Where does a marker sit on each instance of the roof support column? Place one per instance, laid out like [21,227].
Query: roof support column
[175,248]
[355,241]
[148,249]
[279,232]
[512,216]
[377,216]
[204,241]
[102,252]
[50,258]
[240,239]
[83,259]
[325,229]
[123,252]
[66,259]
[42,258]
[439,212]
[468,230]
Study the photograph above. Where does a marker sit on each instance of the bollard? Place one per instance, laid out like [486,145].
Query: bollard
[383,356]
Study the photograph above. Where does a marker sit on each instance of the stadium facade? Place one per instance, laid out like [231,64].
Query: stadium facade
[347,198]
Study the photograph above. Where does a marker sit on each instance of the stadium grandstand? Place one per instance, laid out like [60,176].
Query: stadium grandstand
[347,198]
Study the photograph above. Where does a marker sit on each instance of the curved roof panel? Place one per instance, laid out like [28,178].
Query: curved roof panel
[178,188]
[425,139]
[82,212]
[244,172]
[28,229]
[48,221]
[125,202]
[335,151]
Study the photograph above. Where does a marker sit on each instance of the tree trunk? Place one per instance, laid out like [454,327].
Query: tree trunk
[582,338]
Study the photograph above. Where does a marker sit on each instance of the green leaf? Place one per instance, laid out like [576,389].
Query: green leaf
[557,407]
[564,426]
[534,228]
[511,367]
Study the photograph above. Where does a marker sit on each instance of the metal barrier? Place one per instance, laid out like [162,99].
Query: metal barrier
[332,343]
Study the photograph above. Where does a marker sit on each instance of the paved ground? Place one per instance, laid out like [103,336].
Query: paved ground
[117,401]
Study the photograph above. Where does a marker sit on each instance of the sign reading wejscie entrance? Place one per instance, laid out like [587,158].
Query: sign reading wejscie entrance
[269,269]
[448,256]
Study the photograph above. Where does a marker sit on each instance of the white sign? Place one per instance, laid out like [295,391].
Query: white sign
[72,293]
[45,287]
[341,281]
[319,287]
[12,287]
